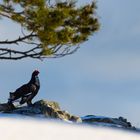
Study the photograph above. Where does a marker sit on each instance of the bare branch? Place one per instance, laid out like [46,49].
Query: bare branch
[10,54]
[20,39]
[36,53]
[5,15]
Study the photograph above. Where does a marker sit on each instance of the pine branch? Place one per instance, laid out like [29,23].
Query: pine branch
[11,54]
[20,39]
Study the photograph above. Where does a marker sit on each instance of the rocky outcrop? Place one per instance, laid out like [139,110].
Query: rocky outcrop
[51,109]
[47,109]
[106,121]
[6,107]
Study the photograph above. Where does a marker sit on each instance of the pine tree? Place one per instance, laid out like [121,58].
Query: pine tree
[53,29]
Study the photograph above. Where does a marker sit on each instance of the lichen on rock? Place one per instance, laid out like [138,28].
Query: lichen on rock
[48,109]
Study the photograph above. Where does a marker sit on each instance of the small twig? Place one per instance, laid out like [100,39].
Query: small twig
[20,39]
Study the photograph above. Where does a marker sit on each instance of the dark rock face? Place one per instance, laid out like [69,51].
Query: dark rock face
[106,121]
[48,109]
[6,107]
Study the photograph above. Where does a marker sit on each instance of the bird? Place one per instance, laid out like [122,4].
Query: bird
[27,91]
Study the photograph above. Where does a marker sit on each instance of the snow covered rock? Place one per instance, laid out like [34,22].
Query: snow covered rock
[48,109]
[106,121]
[52,110]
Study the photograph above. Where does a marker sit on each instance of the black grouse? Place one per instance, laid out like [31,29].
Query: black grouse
[27,91]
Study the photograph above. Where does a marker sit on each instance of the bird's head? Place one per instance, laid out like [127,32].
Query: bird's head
[35,72]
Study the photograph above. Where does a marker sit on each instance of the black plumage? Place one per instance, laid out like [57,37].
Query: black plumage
[27,91]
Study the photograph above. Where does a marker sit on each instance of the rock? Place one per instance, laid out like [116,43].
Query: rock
[48,109]
[52,109]
[106,121]
[44,103]
[6,107]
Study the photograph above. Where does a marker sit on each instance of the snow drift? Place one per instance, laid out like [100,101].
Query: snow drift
[35,129]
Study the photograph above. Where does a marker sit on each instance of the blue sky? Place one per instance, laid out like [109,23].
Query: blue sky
[102,78]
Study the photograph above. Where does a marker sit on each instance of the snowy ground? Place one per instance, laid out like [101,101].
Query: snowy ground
[35,129]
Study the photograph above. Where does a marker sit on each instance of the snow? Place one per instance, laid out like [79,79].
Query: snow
[13,128]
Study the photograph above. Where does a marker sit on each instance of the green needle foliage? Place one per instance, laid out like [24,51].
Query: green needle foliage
[55,28]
